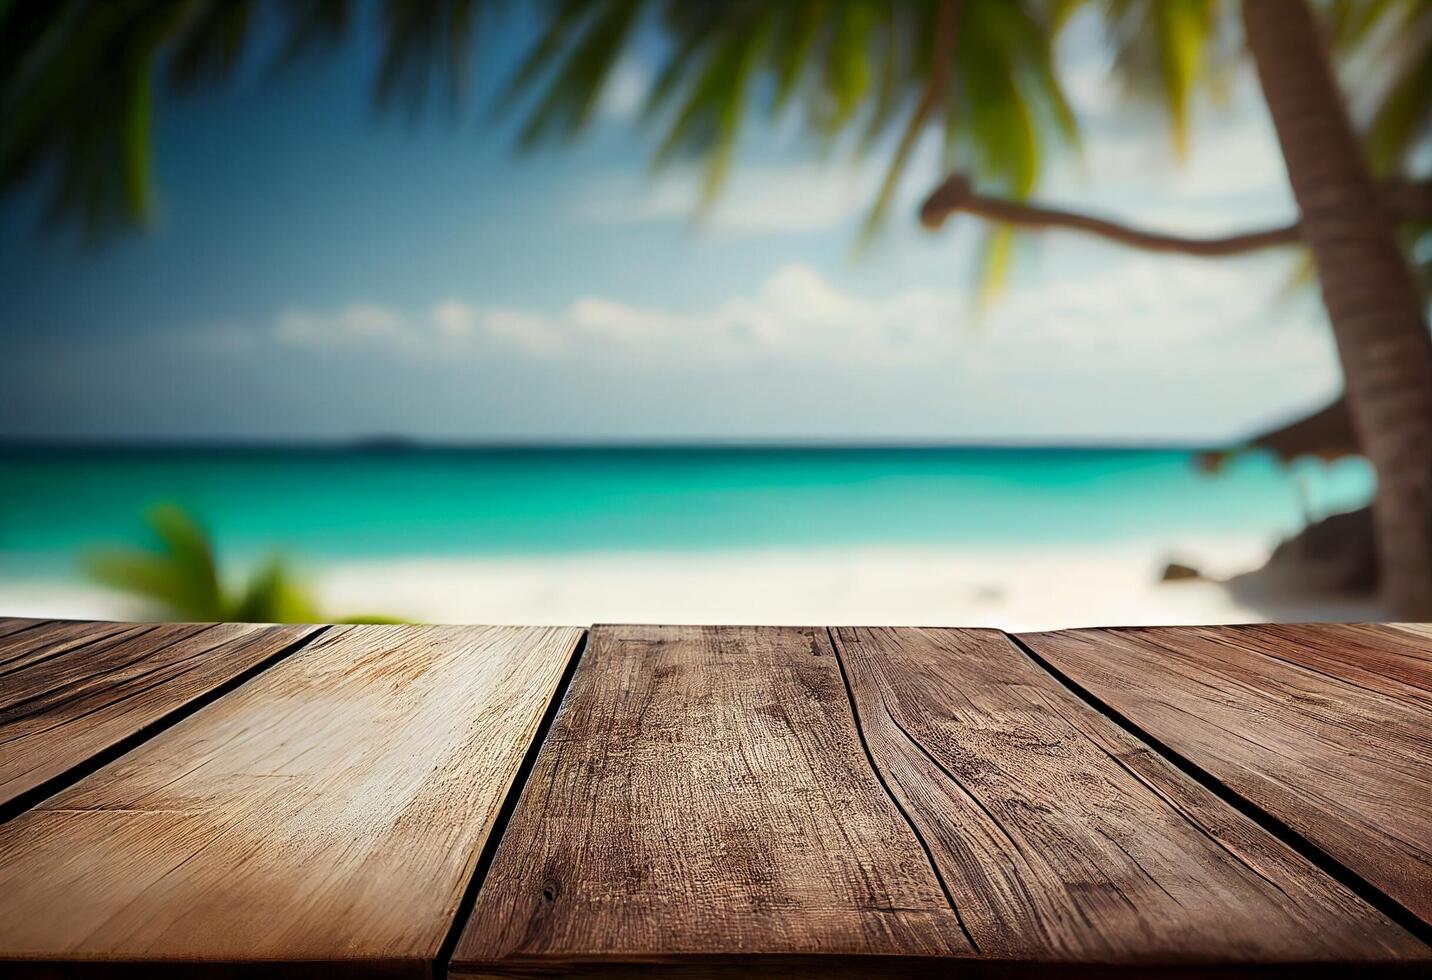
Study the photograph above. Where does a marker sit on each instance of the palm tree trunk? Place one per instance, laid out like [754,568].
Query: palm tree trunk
[1372,300]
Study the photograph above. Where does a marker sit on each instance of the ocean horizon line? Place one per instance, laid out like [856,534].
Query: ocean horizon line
[397,445]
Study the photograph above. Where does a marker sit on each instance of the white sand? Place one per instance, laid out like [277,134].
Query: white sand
[1010,588]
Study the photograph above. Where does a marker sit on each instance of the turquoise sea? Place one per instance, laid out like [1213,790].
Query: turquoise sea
[320,505]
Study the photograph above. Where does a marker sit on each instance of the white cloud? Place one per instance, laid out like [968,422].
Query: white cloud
[454,318]
[618,322]
[457,322]
[1149,347]
[527,332]
[450,326]
[1146,313]
[359,323]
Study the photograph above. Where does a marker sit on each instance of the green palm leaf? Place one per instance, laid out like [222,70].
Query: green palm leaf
[179,577]
[272,596]
[1167,49]
[580,69]
[79,78]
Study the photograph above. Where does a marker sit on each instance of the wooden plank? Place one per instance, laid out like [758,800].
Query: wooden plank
[11,625]
[328,814]
[1423,630]
[70,691]
[1390,660]
[1080,842]
[44,637]
[708,802]
[1325,728]
[704,792]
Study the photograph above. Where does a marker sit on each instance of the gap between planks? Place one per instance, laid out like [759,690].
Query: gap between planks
[1275,827]
[75,774]
[498,830]
[69,777]
[61,781]
[543,707]
[497,950]
[1271,824]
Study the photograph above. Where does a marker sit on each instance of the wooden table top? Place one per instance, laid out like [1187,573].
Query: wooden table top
[674,800]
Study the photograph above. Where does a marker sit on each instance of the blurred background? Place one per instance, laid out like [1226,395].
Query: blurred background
[1028,313]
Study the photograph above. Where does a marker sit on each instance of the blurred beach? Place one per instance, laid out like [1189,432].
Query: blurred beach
[1016,538]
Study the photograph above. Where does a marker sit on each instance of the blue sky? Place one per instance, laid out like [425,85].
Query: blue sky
[320,271]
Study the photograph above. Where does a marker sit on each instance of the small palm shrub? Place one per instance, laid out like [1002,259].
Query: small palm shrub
[180,579]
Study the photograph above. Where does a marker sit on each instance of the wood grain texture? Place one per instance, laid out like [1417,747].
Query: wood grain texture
[704,791]
[1326,728]
[12,625]
[1063,837]
[706,802]
[329,812]
[71,690]
[1394,660]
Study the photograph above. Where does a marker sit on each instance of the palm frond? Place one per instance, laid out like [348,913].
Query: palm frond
[273,596]
[942,47]
[708,113]
[179,575]
[209,47]
[76,94]
[79,80]
[842,67]
[425,44]
[1168,49]
[1394,37]
[996,256]
[794,38]
[847,63]
[580,71]
[180,578]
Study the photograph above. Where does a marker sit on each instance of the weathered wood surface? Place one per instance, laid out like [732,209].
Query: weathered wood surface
[328,813]
[728,798]
[70,691]
[704,791]
[1326,728]
[8,626]
[713,800]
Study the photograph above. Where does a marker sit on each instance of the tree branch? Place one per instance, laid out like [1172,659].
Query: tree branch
[957,194]
[1405,200]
